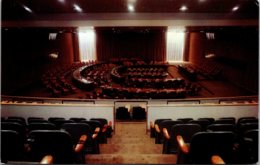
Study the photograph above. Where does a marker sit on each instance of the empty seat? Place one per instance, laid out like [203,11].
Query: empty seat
[21,120]
[222,127]
[77,119]
[76,130]
[107,126]
[20,129]
[96,127]
[139,113]
[224,121]
[60,122]
[122,113]
[204,145]
[57,144]
[249,147]
[152,126]
[51,119]
[185,120]
[41,126]
[204,123]
[186,130]
[210,119]
[12,146]
[34,118]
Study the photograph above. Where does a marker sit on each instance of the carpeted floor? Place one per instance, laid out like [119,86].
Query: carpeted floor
[131,145]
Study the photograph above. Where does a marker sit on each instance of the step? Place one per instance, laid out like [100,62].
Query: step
[131,140]
[131,148]
[131,159]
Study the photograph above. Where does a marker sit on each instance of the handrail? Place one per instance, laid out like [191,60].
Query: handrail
[218,100]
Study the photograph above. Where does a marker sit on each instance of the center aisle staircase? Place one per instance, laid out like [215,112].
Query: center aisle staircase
[130,145]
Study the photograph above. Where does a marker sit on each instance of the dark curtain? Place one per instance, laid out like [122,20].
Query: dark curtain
[148,45]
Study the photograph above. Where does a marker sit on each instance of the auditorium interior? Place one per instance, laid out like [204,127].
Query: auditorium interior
[129,81]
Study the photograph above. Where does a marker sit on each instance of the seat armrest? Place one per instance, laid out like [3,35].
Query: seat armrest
[110,123]
[183,146]
[97,130]
[215,159]
[80,143]
[48,159]
[151,124]
[157,129]
[166,134]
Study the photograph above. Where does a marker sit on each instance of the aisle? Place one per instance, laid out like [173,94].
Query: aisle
[131,145]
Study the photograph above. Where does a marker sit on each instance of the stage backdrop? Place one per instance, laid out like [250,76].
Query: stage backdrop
[126,43]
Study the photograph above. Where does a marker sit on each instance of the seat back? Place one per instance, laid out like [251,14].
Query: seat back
[206,144]
[41,126]
[186,130]
[185,120]
[139,113]
[51,142]
[249,145]
[76,130]
[60,122]
[165,124]
[202,122]
[122,113]
[20,129]
[77,119]
[34,118]
[93,125]
[225,121]
[12,146]
[18,119]
[222,127]
[210,119]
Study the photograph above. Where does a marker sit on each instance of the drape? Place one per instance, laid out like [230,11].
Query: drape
[147,45]
[175,44]
[87,43]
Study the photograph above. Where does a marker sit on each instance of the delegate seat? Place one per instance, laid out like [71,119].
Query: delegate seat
[58,144]
[204,145]
[186,130]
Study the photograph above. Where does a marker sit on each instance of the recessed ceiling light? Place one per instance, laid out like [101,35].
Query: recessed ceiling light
[27,9]
[183,8]
[202,0]
[77,8]
[61,1]
[235,8]
[131,8]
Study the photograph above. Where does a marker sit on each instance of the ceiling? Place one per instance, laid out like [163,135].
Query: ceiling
[129,12]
